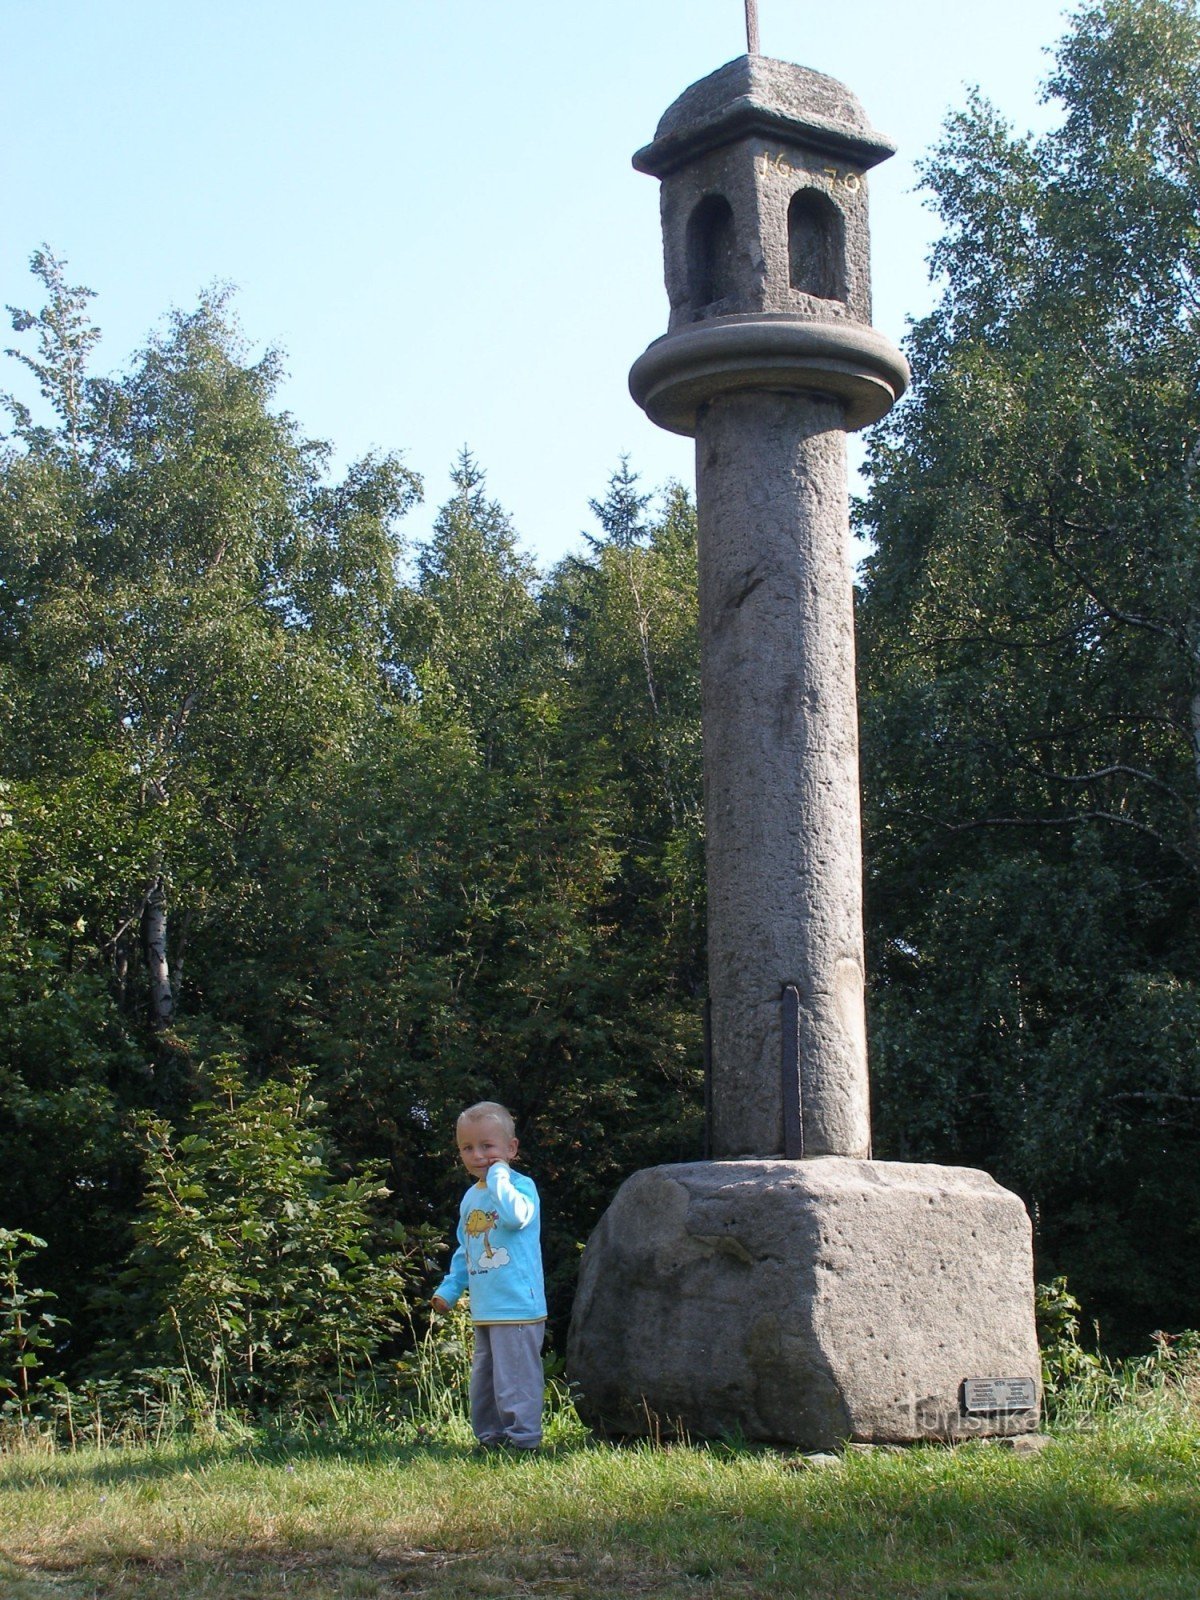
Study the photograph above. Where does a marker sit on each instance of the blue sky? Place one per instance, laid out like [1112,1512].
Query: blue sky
[429,204]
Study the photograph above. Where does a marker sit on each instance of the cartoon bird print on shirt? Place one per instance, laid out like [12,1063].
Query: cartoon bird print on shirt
[478,1226]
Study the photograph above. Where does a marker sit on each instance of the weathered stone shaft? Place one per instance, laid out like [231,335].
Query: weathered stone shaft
[780,770]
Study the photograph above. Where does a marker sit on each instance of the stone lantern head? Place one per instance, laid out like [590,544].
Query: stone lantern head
[766,245]
[764,204]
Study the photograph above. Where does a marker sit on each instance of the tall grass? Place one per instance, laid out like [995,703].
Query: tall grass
[1084,1389]
[420,1398]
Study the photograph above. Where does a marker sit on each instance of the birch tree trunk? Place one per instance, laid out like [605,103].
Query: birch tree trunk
[154,938]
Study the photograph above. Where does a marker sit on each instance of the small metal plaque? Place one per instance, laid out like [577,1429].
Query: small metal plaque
[989,1395]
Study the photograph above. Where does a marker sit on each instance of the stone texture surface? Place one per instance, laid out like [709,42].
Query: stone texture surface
[805,1303]
[756,133]
[834,1298]
[781,793]
[812,108]
[769,376]
[759,178]
[681,373]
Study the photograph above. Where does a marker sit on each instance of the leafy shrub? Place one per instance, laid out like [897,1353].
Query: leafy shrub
[26,1331]
[263,1277]
[1081,1386]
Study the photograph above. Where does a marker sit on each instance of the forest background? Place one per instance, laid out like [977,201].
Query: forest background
[311,834]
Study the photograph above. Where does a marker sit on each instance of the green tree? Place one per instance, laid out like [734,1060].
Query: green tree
[438,837]
[627,617]
[472,616]
[190,615]
[65,340]
[448,915]
[1030,627]
[621,514]
[629,620]
[189,605]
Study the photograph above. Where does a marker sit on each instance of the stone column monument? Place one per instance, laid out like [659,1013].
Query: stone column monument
[792,1289]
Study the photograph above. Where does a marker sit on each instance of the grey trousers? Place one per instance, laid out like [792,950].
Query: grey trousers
[507,1383]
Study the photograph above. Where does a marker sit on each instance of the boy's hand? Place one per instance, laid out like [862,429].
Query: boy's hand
[439,1304]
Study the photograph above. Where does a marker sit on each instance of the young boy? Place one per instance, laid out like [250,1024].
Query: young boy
[499,1259]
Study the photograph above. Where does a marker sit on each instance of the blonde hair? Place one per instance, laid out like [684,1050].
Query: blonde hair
[489,1110]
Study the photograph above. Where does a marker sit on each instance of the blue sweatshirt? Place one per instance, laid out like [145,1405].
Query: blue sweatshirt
[499,1255]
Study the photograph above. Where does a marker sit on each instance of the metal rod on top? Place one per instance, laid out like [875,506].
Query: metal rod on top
[752,27]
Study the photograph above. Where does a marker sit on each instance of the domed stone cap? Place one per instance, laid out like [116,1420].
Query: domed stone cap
[756,95]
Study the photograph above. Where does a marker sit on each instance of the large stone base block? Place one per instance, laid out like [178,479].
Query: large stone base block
[804,1302]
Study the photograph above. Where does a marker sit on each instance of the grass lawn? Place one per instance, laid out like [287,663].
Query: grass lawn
[1113,1513]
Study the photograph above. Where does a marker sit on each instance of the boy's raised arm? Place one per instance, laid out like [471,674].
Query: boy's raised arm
[516,1210]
